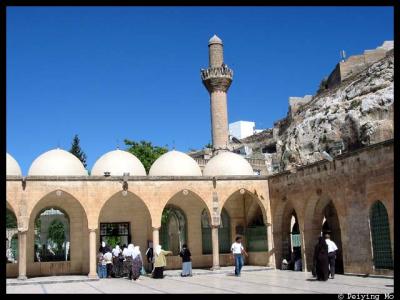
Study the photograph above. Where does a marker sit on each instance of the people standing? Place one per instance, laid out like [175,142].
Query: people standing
[160,262]
[186,261]
[108,259]
[321,260]
[137,263]
[332,248]
[101,264]
[237,254]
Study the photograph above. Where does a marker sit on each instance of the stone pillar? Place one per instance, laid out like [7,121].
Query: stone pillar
[156,237]
[215,247]
[271,250]
[22,255]
[92,254]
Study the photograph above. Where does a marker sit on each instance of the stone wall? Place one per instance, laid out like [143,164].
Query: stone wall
[351,184]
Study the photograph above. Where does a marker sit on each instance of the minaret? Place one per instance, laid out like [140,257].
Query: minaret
[217,79]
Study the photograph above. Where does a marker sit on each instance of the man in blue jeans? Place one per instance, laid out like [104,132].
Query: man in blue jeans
[237,254]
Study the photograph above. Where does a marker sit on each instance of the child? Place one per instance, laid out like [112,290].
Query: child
[186,261]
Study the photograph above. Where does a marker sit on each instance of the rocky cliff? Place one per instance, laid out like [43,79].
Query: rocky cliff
[355,113]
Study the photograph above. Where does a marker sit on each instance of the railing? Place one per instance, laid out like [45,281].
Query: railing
[223,71]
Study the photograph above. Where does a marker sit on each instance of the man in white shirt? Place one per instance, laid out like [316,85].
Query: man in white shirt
[332,248]
[237,254]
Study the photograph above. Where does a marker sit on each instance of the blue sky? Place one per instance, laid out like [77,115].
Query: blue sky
[110,73]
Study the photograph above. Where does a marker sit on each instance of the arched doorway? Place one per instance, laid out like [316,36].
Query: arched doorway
[181,223]
[52,236]
[58,237]
[124,219]
[247,221]
[173,233]
[329,223]
[380,236]
[224,239]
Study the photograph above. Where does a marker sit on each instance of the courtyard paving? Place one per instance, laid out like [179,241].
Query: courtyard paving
[252,280]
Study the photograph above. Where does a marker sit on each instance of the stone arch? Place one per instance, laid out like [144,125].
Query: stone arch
[316,210]
[245,192]
[124,218]
[192,205]
[380,236]
[249,219]
[285,212]
[78,230]
[183,194]
[12,208]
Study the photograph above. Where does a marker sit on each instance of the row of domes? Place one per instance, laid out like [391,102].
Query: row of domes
[59,162]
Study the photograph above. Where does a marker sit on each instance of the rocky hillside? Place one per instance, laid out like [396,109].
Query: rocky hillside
[356,112]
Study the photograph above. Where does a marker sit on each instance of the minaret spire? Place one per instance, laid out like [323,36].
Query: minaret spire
[217,79]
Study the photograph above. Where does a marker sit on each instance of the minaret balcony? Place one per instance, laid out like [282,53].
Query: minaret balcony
[217,79]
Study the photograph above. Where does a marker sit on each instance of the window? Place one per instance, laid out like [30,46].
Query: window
[173,233]
[115,233]
[380,234]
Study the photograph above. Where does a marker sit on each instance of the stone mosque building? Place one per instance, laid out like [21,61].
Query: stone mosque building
[61,214]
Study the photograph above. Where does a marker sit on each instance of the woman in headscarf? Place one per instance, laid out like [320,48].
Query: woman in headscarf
[160,262]
[128,260]
[136,263]
[117,263]
[186,261]
[321,260]
[103,247]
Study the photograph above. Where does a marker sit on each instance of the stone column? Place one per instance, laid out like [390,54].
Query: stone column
[92,254]
[22,255]
[215,247]
[270,241]
[156,237]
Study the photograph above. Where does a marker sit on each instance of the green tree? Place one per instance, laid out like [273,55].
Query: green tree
[57,233]
[145,152]
[11,220]
[209,145]
[77,151]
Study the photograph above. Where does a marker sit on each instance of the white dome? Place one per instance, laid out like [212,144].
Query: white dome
[57,162]
[227,163]
[12,166]
[175,163]
[118,162]
[215,40]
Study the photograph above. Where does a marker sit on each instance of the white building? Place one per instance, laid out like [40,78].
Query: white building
[242,129]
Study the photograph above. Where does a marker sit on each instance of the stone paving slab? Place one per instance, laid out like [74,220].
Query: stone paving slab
[222,270]
[262,281]
[50,280]
[82,278]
